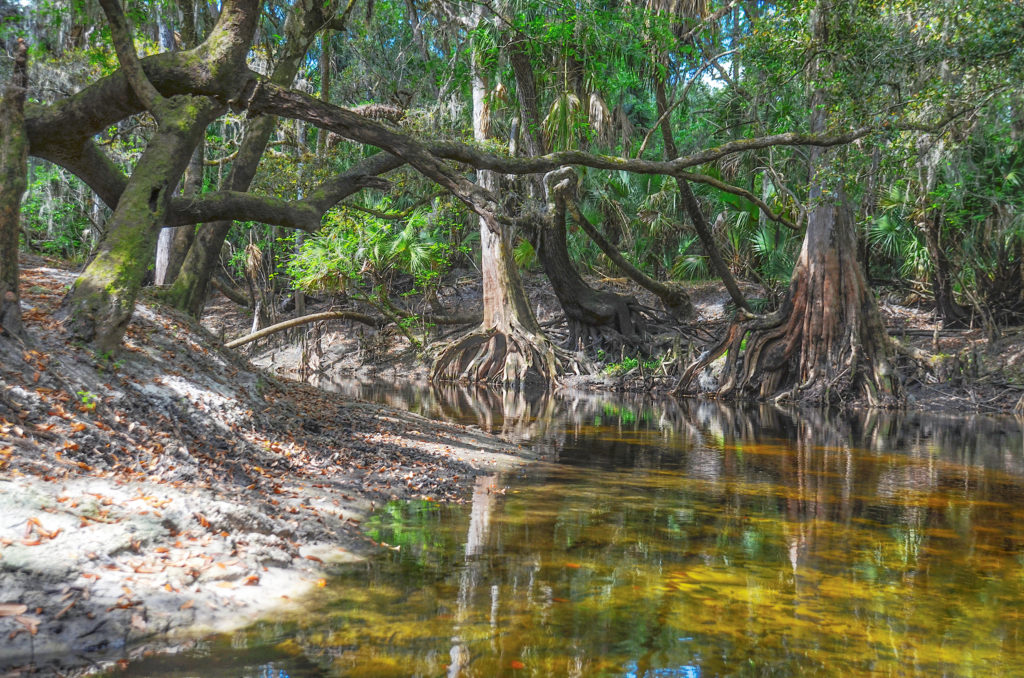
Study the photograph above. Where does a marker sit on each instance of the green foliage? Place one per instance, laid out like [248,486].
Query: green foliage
[776,251]
[354,248]
[688,265]
[625,365]
[524,254]
[55,213]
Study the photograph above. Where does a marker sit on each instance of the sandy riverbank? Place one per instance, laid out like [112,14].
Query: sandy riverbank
[174,488]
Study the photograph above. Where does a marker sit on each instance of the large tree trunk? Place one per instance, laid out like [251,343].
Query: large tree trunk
[102,300]
[827,341]
[509,347]
[13,181]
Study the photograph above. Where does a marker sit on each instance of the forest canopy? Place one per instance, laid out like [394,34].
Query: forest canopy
[815,148]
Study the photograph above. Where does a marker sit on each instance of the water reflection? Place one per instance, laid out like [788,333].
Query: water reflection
[692,539]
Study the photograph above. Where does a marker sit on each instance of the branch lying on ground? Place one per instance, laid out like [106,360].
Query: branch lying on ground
[305,320]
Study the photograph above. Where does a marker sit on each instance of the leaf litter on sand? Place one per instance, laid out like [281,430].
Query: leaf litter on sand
[174,466]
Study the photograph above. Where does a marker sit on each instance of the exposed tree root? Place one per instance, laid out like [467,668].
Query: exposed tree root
[515,357]
[825,345]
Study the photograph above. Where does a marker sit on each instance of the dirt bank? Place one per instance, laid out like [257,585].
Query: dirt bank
[175,487]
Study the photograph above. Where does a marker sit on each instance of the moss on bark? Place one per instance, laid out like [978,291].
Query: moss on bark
[13,181]
[102,300]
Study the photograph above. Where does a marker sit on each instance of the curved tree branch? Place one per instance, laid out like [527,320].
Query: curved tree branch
[304,320]
[124,45]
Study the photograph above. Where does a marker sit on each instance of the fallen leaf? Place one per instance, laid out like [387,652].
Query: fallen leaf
[30,623]
[187,604]
[12,609]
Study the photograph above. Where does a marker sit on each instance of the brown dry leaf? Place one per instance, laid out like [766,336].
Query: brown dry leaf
[12,609]
[187,604]
[30,623]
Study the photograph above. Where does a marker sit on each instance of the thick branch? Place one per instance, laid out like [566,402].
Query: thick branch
[121,35]
[242,206]
[283,102]
[304,320]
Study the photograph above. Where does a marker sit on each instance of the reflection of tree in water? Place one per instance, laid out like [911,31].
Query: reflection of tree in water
[748,530]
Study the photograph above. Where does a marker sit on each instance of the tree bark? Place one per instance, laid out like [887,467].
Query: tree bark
[101,303]
[597,319]
[952,313]
[13,182]
[827,341]
[305,320]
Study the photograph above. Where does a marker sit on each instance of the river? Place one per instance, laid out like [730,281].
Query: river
[667,539]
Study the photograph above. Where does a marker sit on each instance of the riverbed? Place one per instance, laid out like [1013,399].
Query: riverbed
[664,538]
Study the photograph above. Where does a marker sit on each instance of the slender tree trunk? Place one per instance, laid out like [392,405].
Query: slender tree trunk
[102,300]
[161,274]
[185,235]
[13,181]
[191,287]
[827,340]
[509,347]
[689,200]
[952,313]
[929,224]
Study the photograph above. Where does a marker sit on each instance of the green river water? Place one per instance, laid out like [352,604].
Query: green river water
[666,539]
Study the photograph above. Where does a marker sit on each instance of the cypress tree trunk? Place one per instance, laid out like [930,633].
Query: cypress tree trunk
[13,181]
[509,347]
[827,340]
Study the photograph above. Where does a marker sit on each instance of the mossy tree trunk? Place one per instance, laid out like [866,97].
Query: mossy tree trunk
[102,300]
[13,181]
